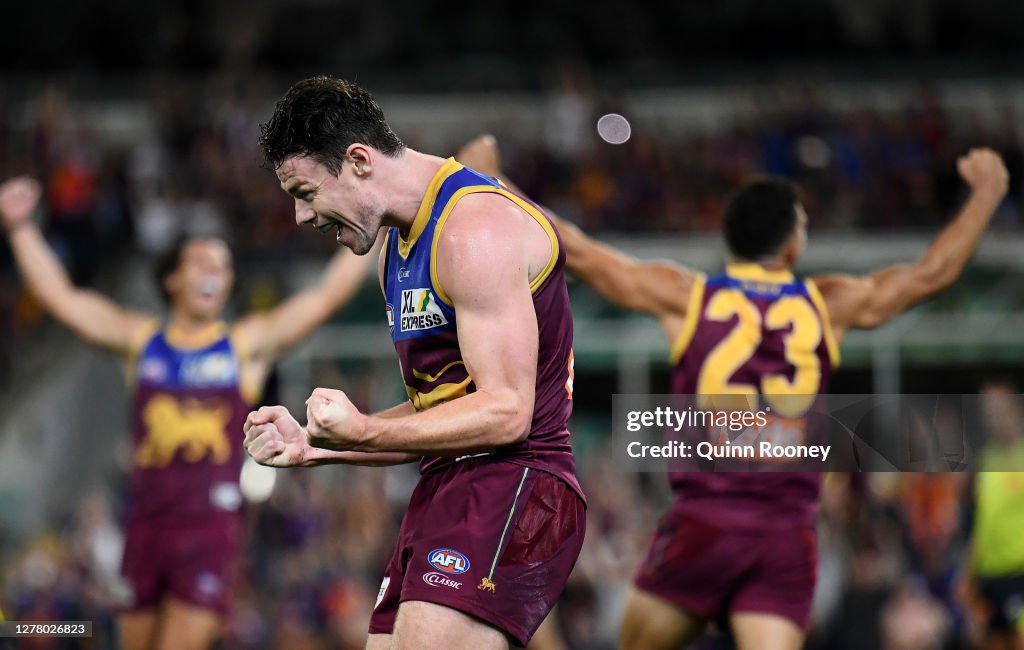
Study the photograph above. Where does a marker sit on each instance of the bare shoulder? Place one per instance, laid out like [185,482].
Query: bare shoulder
[487,230]
[485,213]
[845,296]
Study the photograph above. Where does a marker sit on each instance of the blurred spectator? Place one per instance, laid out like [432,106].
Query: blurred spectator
[995,578]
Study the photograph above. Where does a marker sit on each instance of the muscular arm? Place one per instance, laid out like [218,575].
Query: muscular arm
[91,316]
[484,265]
[318,456]
[272,333]
[874,299]
[660,289]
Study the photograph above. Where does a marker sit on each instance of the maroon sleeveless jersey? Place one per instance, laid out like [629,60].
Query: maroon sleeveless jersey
[423,326]
[764,334]
[187,417]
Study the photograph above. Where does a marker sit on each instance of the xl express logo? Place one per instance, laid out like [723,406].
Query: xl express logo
[420,311]
[448,561]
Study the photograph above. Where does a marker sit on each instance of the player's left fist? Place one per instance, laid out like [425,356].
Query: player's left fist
[333,422]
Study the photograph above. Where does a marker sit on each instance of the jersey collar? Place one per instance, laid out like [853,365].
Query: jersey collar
[448,168]
[752,272]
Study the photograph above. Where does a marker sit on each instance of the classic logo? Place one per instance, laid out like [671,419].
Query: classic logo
[437,580]
[420,310]
[448,561]
[403,274]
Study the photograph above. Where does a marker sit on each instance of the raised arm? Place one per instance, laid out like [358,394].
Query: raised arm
[484,265]
[876,298]
[271,333]
[658,288]
[91,316]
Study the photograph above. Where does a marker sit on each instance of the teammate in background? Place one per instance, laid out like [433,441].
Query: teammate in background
[742,546]
[195,378]
[479,314]
[996,560]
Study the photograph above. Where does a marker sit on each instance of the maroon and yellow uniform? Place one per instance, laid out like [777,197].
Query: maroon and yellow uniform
[744,541]
[185,507]
[494,534]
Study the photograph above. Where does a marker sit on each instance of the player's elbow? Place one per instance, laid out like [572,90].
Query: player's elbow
[935,274]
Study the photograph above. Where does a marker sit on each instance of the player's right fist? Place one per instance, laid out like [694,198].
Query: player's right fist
[18,199]
[984,171]
[274,438]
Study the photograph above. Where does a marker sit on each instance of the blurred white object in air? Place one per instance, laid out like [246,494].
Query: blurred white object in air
[613,128]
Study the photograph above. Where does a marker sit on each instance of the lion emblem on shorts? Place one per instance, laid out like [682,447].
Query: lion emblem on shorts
[486,585]
[196,429]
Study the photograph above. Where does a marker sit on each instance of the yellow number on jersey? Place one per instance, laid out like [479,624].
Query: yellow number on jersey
[787,398]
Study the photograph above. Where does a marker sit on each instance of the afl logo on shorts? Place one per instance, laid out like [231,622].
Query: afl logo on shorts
[391,316]
[448,561]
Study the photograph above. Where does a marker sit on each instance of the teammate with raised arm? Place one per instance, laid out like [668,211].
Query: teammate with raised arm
[742,546]
[195,378]
[479,314]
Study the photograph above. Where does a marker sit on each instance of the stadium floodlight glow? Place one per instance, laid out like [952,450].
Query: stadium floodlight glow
[614,128]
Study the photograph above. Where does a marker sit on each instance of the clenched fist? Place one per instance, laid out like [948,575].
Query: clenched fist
[18,199]
[274,438]
[333,422]
[984,171]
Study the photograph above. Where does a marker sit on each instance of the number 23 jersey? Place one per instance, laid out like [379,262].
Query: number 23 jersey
[758,332]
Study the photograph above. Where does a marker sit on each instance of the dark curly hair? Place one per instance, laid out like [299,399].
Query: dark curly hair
[320,117]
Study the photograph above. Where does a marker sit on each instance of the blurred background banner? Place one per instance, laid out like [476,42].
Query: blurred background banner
[141,121]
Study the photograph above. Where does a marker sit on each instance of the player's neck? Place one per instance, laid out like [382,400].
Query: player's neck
[411,176]
[773,264]
[190,324]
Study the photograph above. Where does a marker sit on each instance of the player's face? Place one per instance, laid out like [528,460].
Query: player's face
[202,282]
[344,203]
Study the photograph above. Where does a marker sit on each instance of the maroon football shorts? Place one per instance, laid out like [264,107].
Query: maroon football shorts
[486,537]
[194,562]
[712,571]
